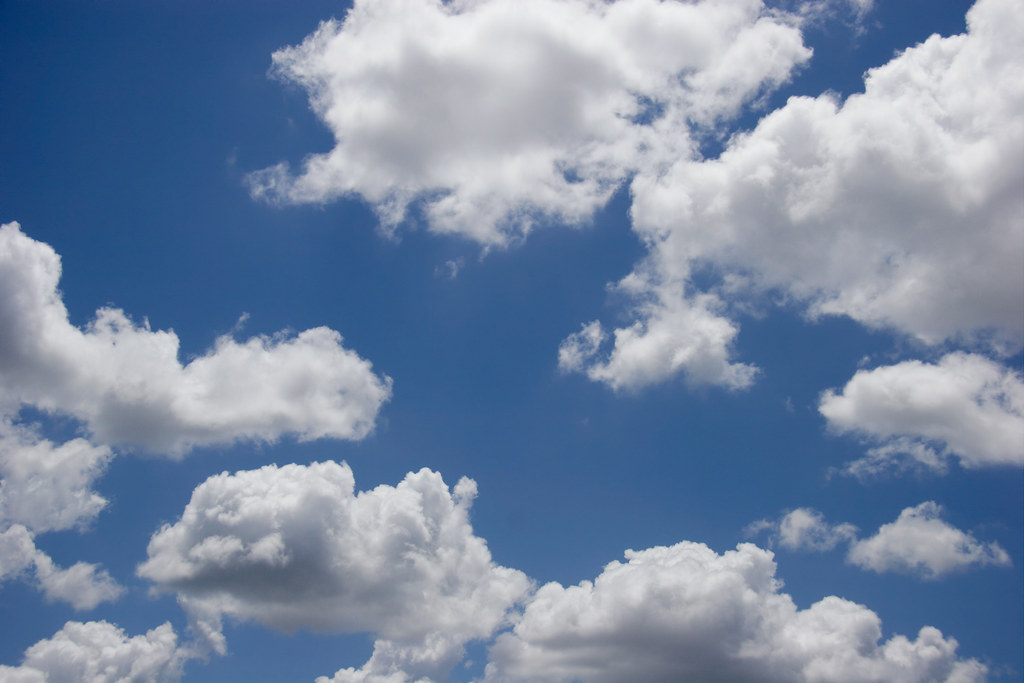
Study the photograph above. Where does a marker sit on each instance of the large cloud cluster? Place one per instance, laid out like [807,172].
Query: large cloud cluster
[295,547]
[685,613]
[126,384]
[496,114]
[900,208]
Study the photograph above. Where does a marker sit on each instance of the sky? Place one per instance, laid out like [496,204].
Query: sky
[511,340]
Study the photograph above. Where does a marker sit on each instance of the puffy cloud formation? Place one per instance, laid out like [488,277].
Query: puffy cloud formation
[391,662]
[497,113]
[82,585]
[673,334]
[965,405]
[47,486]
[918,542]
[99,652]
[805,529]
[685,613]
[295,547]
[126,383]
[900,208]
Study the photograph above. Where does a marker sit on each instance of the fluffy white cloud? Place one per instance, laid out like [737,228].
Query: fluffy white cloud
[295,547]
[900,207]
[685,613]
[47,486]
[971,406]
[673,334]
[497,113]
[918,542]
[805,529]
[82,585]
[99,652]
[391,662]
[126,383]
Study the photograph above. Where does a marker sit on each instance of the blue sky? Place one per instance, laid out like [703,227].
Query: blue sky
[710,346]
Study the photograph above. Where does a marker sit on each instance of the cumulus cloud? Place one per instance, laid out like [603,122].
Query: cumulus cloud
[82,585]
[900,207]
[687,613]
[494,114]
[126,383]
[964,406]
[681,334]
[47,486]
[295,547]
[99,652]
[920,543]
[917,543]
[805,529]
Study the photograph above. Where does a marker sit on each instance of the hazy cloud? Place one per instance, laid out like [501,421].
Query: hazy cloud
[805,529]
[82,585]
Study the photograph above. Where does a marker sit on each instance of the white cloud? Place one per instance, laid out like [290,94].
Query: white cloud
[918,542]
[295,547]
[497,113]
[686,613]
[971,406]
[82,585]
[47,486]
[17,551]
[900,207]
[391,662]
[677,334]
[805,529]
[99,652]
[126,383]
